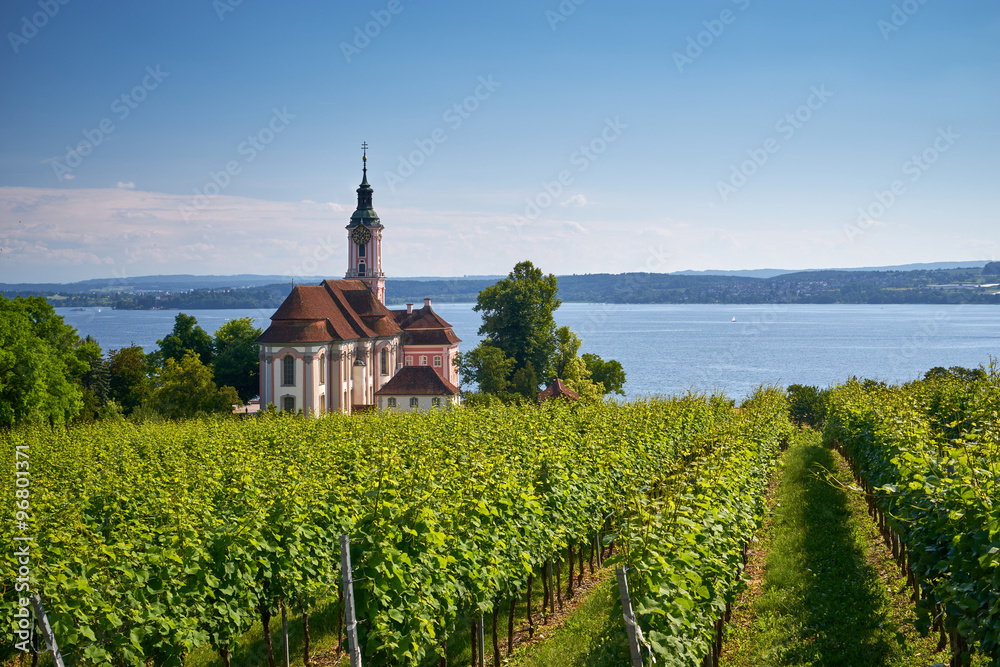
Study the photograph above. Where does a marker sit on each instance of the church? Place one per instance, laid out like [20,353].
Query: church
[336,347]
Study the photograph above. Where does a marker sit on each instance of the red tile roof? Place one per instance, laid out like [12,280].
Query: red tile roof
[420,318]
[343,309]
[417,381]
[292,331]
[557,389]
[432,337]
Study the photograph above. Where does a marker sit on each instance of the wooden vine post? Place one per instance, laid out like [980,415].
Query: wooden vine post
[46,627]
[630,627]
[348,581]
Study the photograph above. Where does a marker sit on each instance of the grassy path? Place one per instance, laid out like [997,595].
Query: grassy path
[827,592]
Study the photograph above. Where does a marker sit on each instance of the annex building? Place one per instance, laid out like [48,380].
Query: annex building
[336,347]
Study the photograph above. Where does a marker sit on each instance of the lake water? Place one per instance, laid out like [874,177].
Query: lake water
[671,349]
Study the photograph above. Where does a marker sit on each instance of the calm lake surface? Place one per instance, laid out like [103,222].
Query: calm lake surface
[671,349]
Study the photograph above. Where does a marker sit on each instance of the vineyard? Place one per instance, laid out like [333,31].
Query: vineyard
[927,457]
[151,540]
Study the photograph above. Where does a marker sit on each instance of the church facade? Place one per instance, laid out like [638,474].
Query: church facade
[336,347]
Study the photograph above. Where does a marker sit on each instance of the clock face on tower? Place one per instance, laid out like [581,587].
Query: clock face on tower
[361,235]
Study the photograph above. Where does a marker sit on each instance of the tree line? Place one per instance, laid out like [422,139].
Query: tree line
[49,374]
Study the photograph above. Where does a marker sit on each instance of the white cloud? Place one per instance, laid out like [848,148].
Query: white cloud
[65,234]
[576,201]
[126,186]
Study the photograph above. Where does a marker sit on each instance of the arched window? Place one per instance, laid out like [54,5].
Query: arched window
[384,361]
[288,371]
[361,269]
[414,402]
[361,250]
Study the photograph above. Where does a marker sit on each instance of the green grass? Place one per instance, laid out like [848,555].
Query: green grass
[251,652]
[593,635]
[830,596]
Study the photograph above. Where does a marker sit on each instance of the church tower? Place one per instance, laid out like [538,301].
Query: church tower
[364,239]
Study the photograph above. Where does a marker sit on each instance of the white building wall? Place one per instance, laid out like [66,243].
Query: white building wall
[424,403]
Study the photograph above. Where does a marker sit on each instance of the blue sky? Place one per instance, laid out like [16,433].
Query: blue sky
[728,134]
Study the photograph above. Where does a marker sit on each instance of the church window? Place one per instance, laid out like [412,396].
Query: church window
[437,361]
[361,250]
[423,360]
[322,404]
[384,361]
[361,269]
[391,402]
[288,404]
[322,369]
[288,371]
[414,402]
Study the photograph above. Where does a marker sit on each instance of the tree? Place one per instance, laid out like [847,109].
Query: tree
[525,381]
[517,319]
[486,366]
[609,373]
[129,383]
[237,357]
[95,381]
[186,388]
[992,269]
[186,336]
[571,369]
[38,364]
[807,405]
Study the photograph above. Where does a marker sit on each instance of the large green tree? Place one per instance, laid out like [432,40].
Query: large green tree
[486,366]
[185,337]
[609,373]
[129,377]
[186,388]
[39,364]
[95,379]
[518,318]
[237,357]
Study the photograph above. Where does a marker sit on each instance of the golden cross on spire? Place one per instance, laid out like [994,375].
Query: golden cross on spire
[364,147]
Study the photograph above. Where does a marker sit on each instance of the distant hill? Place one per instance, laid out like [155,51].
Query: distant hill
[771,273]
[945,283]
